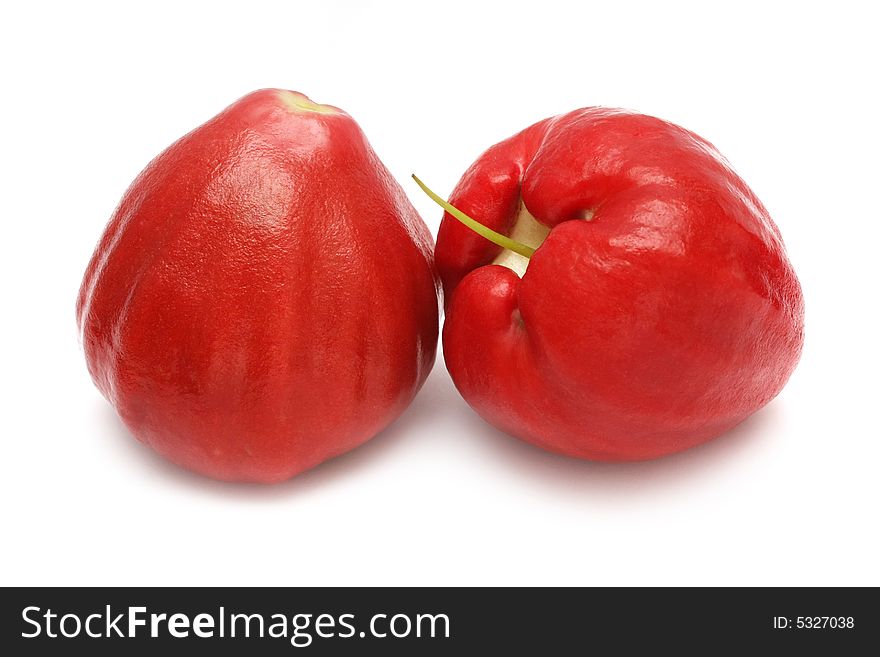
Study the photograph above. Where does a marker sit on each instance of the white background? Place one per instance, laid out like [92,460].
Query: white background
[787,92]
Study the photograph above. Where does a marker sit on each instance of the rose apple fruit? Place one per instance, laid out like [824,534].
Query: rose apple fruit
[635,298]
[264,296]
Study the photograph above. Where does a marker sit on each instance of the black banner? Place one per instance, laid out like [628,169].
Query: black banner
[277,621]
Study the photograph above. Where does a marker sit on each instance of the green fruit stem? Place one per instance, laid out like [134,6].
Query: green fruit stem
[496,238]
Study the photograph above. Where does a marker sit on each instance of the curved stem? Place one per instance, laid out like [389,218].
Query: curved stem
[496,238]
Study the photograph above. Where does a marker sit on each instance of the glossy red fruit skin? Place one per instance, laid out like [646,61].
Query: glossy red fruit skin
[263,297]
[664,321]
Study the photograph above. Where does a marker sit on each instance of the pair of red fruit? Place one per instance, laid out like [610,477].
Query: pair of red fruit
[265,297]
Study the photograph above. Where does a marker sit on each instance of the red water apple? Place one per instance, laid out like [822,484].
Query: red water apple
[633,299]
[263,297]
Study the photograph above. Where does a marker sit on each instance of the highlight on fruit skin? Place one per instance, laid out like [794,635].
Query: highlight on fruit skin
[241,312]
[657,310]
